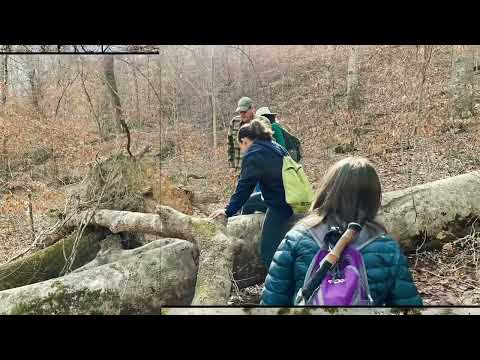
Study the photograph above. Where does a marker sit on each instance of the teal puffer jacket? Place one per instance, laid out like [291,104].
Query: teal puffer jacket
[389,277]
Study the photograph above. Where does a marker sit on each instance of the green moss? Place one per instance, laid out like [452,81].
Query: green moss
[63,301]
[204,229]
[49,262]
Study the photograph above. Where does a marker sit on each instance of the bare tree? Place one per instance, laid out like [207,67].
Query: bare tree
[64,91]
[34,88]
[96,117]
[135,83]
[109,71]
[246,67]
[460,86]
[214,108]
[353,85]
[423,64]
[4,72]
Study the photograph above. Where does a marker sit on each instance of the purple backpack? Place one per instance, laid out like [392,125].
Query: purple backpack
[344,285]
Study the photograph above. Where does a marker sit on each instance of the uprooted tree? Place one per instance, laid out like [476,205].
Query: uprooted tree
[201,258]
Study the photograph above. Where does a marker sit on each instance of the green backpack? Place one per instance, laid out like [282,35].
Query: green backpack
[292,144]
[298,190]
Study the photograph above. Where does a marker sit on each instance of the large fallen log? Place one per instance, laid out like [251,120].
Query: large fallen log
[141,282]
[422,212]
[247,268]
[49,263]
[411,215]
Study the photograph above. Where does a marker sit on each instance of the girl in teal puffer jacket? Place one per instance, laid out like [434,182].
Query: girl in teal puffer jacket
[350,192]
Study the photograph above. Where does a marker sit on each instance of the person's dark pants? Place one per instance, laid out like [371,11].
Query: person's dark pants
[254,203]
[275,226]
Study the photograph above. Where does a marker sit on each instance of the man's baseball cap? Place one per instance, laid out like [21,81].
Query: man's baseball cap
[244,104]
[264,111]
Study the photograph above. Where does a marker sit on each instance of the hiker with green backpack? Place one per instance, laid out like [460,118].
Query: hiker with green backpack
[283,138]
[285,187]
[282,135]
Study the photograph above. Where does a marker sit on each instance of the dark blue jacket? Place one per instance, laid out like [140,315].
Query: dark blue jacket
[261,163]
[389,278]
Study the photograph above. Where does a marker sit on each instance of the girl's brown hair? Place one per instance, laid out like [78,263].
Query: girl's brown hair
[254,130]
[350,192]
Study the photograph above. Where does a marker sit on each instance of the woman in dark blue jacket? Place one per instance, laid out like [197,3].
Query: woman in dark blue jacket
[350,192]
[262,163]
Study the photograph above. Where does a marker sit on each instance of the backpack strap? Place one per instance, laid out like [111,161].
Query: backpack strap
[318,234]
[365,238]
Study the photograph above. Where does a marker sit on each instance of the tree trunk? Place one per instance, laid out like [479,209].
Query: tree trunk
[159,88]
[149,105]
[460,86]
[138,283]
[353,88]
[214,106]
[246,83]
[137,102]
[96,117]
[32,80]
[4,71]
[109,69]
[49,262]
[423,65]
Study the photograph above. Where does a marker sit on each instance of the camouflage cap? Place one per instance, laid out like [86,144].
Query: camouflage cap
[244,104]
[264,111]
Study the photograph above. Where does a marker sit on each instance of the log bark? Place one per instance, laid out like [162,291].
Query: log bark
[422,212]
[139,283]
[111,251]
[49,262]
[214,278]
